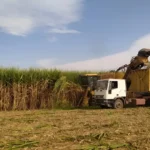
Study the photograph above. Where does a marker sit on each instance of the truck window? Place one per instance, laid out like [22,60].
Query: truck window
[102,85]
[114,84]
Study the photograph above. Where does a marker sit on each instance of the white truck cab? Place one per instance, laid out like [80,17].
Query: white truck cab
[110,93]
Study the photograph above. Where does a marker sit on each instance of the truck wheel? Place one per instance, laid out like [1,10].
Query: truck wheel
[102,106]
[118,104]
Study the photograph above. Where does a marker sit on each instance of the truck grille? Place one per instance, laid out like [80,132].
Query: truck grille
[99,96]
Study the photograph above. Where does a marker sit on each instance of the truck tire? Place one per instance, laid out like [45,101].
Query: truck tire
[102,106]
[118,104]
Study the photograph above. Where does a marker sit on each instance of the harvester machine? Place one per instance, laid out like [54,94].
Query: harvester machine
[137,62]
[88,83]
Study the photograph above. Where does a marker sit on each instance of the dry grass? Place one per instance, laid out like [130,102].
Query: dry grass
[98,129]
[40,95]
[25,96]
[67,93]
[39,88]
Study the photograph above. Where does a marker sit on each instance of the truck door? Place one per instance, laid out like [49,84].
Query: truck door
[113,89]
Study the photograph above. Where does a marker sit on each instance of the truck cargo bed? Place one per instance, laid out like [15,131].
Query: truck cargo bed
[140,81]
[113,75]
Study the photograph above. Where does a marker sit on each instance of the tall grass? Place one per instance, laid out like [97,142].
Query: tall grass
[14,75]
[39,88]
[11,75]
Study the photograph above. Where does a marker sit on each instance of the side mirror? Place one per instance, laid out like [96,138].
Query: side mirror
[109,91]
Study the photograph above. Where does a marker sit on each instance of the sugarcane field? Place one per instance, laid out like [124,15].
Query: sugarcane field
[44,109]
[74,75]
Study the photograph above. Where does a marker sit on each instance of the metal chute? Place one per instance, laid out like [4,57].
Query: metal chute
[137,62]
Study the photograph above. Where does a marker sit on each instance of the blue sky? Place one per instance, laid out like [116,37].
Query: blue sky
[72,34]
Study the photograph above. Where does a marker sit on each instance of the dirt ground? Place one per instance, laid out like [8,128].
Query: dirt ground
[80,129]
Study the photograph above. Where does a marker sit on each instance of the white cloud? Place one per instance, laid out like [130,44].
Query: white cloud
[108,62]
[63,31]
[16,25]
[21,17]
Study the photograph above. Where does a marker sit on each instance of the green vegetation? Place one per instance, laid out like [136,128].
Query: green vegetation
[39,88]
[15,75]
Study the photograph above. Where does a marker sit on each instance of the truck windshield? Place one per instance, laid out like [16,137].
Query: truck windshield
[102,85]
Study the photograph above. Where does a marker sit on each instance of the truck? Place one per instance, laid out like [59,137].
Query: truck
[131,89]
[88,81]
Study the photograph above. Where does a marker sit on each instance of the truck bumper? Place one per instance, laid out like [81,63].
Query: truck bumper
[104,102]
